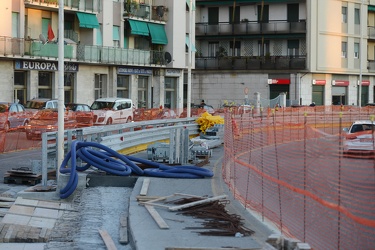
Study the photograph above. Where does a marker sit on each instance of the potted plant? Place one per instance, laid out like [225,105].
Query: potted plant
[132,6]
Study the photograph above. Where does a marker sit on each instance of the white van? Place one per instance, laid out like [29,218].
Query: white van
[112,111]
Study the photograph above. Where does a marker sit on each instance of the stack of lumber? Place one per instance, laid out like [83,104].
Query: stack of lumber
[22,176]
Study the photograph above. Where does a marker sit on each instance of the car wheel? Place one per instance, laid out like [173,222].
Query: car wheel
[29,136]
[129,119]
[109,121]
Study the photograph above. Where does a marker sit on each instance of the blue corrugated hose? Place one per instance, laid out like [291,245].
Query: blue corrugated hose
[115,163]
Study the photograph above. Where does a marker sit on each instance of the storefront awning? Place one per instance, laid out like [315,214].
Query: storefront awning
[139,28]
[87,20]
[158,35]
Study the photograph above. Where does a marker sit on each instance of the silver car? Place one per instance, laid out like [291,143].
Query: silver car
[13,115]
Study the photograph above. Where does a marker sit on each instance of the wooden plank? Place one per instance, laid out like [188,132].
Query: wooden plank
[6,204]
[7,199]
[156,216]
[107,240]
[146,198]
[145,185]
[194,203]
[123,231]
[151,202]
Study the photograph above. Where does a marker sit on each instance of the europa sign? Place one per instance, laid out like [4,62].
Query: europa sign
[44,65]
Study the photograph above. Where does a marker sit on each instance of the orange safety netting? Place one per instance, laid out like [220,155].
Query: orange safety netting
[28,136]
[288,166]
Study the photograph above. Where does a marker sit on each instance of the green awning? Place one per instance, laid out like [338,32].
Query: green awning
[371,8]
[116,33]
[87,20]
[158,35]
[139,28]
[187,42]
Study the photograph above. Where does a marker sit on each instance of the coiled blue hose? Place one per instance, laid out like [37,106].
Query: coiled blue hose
[115,163]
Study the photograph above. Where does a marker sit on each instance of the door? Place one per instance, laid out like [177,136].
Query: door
[318,94]
[263,13]
[293,13]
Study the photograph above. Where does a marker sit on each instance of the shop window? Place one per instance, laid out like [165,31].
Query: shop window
[123,86]
[44,84]
[142,91]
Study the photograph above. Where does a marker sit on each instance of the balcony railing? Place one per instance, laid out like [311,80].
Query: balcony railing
[18,47]
[250,28]
[81,5]
[146,12]
[251,63]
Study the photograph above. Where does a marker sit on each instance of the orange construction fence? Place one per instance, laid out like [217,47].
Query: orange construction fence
[287,165]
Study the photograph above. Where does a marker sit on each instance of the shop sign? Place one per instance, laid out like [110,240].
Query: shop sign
[319,82]
[365,83]
[340,83]
[133,71]
[44,65]
[278,81]
[172,72]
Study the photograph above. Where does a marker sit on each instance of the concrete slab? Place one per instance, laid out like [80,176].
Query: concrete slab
[46,212]
[48,204]
[22,246]
[17,209]
[16,219]
[42,222]
[26,202]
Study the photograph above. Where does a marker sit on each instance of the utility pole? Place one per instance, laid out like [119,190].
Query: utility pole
[60,109]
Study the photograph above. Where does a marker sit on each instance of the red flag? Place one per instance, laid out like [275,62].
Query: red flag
[51,35]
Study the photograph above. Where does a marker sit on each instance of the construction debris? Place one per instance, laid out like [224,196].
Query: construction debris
[217,221]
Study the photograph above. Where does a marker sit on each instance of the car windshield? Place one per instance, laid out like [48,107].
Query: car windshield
[3,108]
[361,127]
[71,106]
[34,105]
[102,105]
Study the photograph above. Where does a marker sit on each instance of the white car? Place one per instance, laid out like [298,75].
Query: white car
[359,138]
[112,111]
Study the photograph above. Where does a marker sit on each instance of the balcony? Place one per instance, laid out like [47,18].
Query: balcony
[33,49]
[251,63]
[250,28]
[78,5]
[145,12]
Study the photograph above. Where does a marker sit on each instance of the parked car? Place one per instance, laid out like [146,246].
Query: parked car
[143,114]
[41,103]
[47,121]
[83,114]
[112,111]
[197,110]
[13,115]
[359,138]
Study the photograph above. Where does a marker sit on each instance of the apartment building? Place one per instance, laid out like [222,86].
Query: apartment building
[314,51]
[112,48]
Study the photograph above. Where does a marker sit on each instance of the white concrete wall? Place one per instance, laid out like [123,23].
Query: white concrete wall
[6,81]
[6,14]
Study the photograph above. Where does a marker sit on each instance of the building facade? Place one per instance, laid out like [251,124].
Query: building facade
[112,48]
[314,51]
